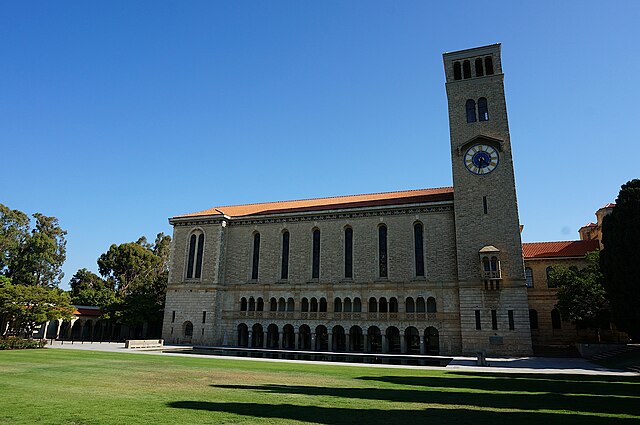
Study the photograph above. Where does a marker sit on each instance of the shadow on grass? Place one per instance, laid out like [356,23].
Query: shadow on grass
[346,416]
[590,405]
[627,386]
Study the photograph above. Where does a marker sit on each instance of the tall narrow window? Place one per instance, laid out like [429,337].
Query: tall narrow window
[488,65]
[466,69]
[256,256]
[479,68]
[348,253]
[194,257]
[198,272]
[485,207]
[382,250]
[204,316]
[315,266]
[556,323]
[418,248]
[549,283]
[478,323]
[528,274]
[483,111]
[512,325]
[471,110]
[173,316]
[533,319]
[284,272]
[457,71]
[494,320]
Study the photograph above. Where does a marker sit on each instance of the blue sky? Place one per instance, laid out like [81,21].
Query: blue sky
[117,115]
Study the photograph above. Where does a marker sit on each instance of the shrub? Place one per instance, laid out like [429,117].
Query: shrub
[17,343]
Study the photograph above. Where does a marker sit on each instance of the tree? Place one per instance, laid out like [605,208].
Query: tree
[26,306]
[87,288]
[581,296]
[620,259]
[31,256]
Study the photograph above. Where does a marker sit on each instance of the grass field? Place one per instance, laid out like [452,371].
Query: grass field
[57,386]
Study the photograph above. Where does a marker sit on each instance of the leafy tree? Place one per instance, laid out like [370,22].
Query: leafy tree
[620,259]
[581,296]
[87,288]
[26,306]
[31,256]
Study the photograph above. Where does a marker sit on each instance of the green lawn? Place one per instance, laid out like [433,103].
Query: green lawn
[56,386]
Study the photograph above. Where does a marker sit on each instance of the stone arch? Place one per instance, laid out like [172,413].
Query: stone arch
[337,305]
[273,304]
[260,304]
[375,339]
[323,305]
[313,307]
[339,340]
[346,307]
[243,304]
[356,339]
[409,305]
[420,305]
[412,340]
[273,337]
[52,331]
[252,304]
[304,305]
[393,305]
[304,337]
[87,330]
[243,335]
[282,304]
[431,305]
[288,337]
[76,330]
[322,338]
[187,331]
[257,336]
[383,306]
[291,304]
[357,305]
[432,340]
[393,339]
[373,305]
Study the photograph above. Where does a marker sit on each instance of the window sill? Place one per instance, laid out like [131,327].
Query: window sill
[419,279]
[313,281]
[382,280]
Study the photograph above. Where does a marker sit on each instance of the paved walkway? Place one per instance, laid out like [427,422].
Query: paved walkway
[459,363]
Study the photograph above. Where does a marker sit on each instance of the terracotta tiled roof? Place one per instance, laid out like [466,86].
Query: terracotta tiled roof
[82,310]
[609,205]
[337,202]
[558,249]
[589,225]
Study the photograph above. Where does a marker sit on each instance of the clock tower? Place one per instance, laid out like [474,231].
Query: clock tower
[494,313]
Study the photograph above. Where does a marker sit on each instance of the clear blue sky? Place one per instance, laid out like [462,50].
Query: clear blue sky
[116,115]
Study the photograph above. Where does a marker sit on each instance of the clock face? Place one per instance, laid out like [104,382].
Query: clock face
[481,159]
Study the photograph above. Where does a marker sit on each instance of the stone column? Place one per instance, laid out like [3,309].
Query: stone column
[249,341]
[366,343]
[264,339]
[330,340]
[385,343]
[313,342]
[346,342]
[403,343]
[296,339]
[422,347]
[281,340]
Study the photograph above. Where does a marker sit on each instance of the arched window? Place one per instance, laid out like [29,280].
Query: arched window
[431,305]
[273,305]
[471,110]
[256,255]
[357,305]
[409,305]
[528,274]
[393,305]
[243,304]
[483,111]
[194,258]
[533,319]
[252,304]
[323,305]
[337,305]
[488,65]
[549,284]
[383,306]
[315,264]
[373,305]
[486,265]
[348,252]
[282,304]
[420,307]
[382,251]
[347,305]
[304,307]
[314,305]
[479,68]
[556,322]
[457,71]
[466,69]
[418,248]
[494,264]
[260,304]
[284,269]
[188,329]
[290,304]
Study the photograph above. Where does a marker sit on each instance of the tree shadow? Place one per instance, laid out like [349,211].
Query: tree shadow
[586,404]
[348,416]
[552,384]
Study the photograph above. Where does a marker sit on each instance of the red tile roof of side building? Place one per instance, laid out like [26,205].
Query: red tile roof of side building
[609,205]
[331,203]
[532,250]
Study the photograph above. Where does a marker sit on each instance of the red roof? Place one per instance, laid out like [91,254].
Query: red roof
[87,311]
[609,205]
[559,249]
[589,225]
[332,203]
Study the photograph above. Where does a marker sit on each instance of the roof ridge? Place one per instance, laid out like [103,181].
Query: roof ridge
[575,240]
[331,197]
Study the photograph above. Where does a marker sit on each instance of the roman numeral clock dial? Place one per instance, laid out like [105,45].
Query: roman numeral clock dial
[481,159]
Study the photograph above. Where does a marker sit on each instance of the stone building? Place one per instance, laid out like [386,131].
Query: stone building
[436,271]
